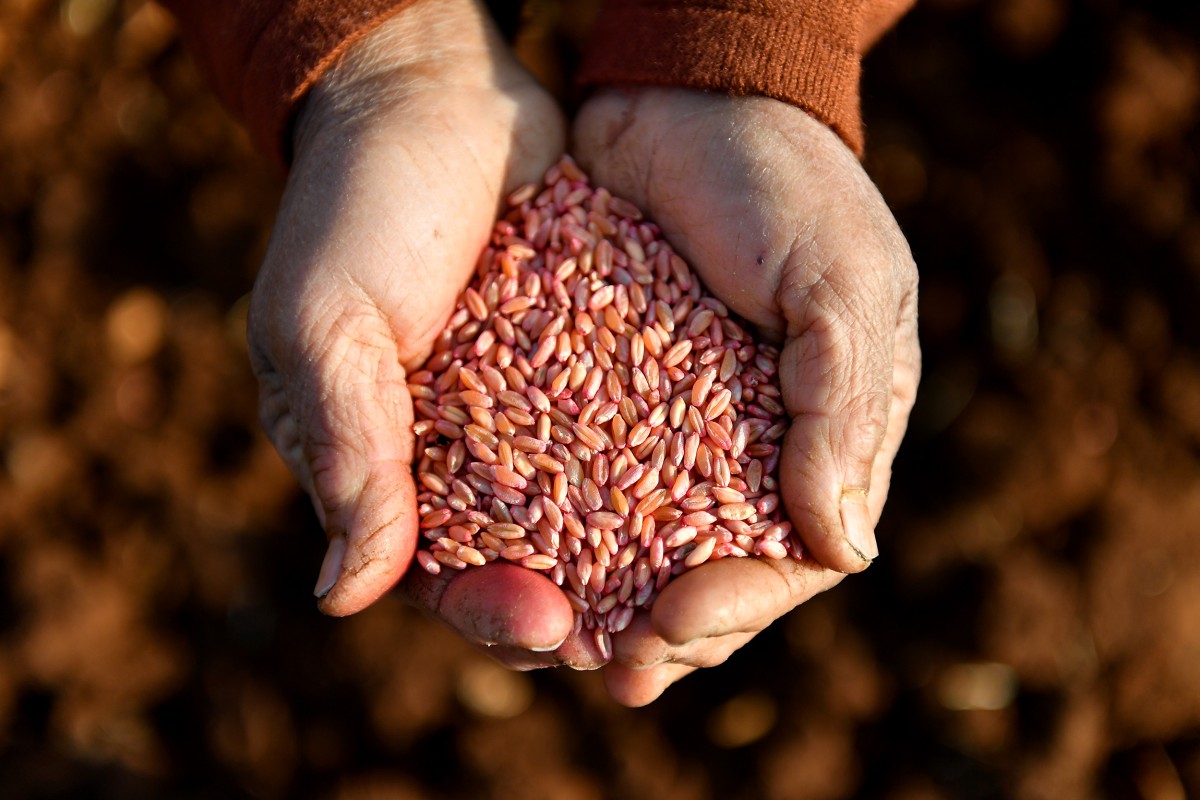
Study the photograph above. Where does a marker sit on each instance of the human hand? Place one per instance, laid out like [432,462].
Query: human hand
[780,221]
[402,156]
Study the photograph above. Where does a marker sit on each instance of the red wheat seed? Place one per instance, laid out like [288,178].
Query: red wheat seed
[590,412]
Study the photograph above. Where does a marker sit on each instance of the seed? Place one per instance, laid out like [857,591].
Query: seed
[482,435]
[724,494]
[699,322]
[516,552]
[647,483]
[436,519]
[603,643]
[434,483]
[529,444]
[517,416]
[475,304]
[585,394]
[652,501]
[605,520]
[678,411]
[680,536]
[631,476]
[538,398]
[449,559]
[738,511]
[638,434]
[474,398]
[728,365]
[428,562]
[448,429]
[538,561]
[738,439]
[754,475]
[620,503]
[721,471]
[717,405]
[704,549]
[589,436]
[504,476]
[702,386]
[718,435]
[658,415]
[770,548]
[624,208]
[459,534]
[677,353]
[514,399]
[776,532]
[701,519]
[506,530]
[546,463]
[591,495]
[620,619]
[679,488]
[770,404]
[471,556]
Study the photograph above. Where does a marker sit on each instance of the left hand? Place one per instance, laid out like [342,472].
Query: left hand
[780,221]
[403,154]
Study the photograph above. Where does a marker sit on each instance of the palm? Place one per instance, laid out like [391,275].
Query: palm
[781,223]
[392,195]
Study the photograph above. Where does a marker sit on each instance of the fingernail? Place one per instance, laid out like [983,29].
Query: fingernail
[856,521]
[549,649]
[331,567]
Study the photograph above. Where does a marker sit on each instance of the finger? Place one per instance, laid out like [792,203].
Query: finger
[735,595]
[638,687]
[276,420]
[496,605]
[578,652]
[518,659]
[836,374]
[581,652]
[906,377]
[640,646]
[351,415]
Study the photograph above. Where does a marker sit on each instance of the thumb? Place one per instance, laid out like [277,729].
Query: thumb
[347,411]
[836,373]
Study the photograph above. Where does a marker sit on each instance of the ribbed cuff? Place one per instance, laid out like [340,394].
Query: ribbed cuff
[802,52]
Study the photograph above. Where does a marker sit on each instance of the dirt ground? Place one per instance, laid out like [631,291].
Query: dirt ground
[1032,629]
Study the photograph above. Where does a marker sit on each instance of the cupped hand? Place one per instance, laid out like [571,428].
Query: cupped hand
[403,153]
[781,222]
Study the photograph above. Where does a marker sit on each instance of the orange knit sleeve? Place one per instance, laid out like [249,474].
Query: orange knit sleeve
[261,56]
[804,52]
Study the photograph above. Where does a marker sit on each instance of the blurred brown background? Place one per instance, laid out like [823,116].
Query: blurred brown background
[1031,631]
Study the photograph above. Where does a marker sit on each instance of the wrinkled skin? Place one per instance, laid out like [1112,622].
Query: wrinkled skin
[781,222]
[403,155]
[392,194]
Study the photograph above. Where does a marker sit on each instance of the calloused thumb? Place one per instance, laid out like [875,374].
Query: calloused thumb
[345,399]
[837,377]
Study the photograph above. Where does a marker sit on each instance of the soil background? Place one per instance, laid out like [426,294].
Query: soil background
[1032,629]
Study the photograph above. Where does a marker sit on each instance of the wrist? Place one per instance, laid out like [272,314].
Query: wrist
[432,46]
[676,125]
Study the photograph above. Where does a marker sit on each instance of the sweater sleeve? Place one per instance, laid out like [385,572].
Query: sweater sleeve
[804,52]
[261,56]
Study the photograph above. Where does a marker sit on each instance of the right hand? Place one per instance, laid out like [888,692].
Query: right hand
[778,218]
[403,155]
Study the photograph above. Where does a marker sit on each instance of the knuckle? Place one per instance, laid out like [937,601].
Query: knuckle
[866,425]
